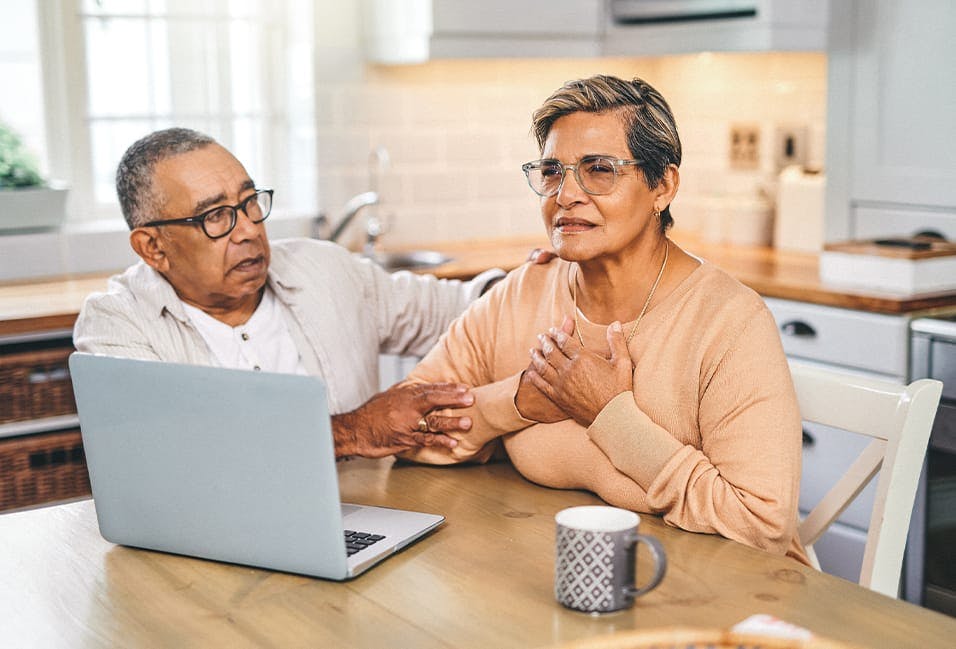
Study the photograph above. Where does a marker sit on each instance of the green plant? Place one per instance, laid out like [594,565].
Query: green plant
[18,168]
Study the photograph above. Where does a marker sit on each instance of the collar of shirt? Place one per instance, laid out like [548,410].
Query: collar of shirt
[261,343]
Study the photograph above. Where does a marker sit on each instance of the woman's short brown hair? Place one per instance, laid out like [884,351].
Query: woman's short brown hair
[649,124]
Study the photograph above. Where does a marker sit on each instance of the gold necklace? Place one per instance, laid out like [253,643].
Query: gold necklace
[627,341]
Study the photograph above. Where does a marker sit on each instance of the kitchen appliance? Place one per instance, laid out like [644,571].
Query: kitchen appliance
[929,574]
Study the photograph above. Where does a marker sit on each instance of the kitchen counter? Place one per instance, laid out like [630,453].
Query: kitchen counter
[27,308]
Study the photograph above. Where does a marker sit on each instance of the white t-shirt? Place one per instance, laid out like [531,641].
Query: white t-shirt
[263,342]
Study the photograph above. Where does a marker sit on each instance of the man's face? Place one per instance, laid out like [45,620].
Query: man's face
[220,276]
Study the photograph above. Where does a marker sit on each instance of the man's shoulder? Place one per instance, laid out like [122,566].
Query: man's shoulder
[291,255]
[135,282]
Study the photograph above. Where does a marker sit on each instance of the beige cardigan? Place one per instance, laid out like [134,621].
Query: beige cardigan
[710,438]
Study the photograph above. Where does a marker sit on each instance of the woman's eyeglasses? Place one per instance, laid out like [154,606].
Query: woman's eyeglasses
[220,221]
[596,174]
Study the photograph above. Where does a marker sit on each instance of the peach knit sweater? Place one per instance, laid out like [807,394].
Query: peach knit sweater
[710,438]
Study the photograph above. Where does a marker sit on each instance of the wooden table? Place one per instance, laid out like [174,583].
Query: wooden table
[483,579]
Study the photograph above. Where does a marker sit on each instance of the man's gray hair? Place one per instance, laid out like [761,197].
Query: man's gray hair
[134,175]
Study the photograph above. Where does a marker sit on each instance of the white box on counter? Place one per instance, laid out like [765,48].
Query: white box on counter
[895,265]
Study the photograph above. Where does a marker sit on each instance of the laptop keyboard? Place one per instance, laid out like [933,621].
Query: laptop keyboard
[355,541]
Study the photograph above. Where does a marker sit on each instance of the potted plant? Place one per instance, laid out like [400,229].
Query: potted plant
[27,200]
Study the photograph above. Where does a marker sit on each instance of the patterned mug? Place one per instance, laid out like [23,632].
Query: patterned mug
[596,558]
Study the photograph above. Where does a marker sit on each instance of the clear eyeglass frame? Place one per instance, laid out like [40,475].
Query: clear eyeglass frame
[595,174]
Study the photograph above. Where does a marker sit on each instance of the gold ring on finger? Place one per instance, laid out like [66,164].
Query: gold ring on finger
[423,426]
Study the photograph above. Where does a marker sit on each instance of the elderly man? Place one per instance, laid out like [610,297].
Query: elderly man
[212,290]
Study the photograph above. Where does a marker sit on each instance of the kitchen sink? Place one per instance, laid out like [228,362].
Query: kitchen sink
[410,260]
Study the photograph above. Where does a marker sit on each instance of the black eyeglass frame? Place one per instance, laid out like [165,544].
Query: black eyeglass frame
[200,219]
[615,163]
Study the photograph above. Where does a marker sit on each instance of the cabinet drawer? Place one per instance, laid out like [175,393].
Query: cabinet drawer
[42,468]
[35,383]
[827,454]
[855,339]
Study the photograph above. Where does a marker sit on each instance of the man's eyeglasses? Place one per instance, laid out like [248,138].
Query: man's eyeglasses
[596,174]
[220,221]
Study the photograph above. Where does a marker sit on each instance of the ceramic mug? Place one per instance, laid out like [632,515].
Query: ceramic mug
[596,558]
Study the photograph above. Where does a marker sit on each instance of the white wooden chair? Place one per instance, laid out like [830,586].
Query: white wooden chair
[899,418]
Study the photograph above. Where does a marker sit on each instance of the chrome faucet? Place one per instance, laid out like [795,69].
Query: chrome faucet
[378,162]
[354,205]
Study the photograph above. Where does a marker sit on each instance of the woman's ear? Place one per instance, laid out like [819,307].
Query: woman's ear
[667,188]
[147,244]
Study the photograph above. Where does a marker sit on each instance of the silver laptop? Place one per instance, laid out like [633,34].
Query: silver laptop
[228,465]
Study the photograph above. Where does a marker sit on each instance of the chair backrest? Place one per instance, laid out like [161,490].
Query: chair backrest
[899,419]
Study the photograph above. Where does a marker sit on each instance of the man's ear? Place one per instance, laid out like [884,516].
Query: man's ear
[148,245]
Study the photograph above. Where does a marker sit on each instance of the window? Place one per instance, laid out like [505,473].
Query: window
[239,70]
[21,101]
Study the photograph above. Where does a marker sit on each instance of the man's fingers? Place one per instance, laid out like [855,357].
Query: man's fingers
[443,424]
[541,256]
[434,439]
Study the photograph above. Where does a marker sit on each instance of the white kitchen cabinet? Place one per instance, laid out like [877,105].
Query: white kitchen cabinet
[413,31]
[870,344]
[891,163]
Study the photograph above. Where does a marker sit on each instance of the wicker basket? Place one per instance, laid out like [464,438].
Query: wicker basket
[686,638]
[35,384]
[42,468]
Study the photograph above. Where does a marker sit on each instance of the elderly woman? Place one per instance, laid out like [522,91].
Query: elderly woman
[655,380]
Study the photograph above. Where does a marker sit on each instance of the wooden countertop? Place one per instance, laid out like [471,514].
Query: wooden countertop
[482,579]
[29,307]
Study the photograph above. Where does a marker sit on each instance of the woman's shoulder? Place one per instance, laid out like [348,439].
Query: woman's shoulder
[534,277]
[722,297]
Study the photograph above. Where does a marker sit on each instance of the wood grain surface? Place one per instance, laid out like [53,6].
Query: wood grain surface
[483,579]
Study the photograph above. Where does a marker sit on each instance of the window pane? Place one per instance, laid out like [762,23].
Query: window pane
[117,66]
[109,140]
[245,55]
[21,97]
[194,68]
[238,70]
[110,7]
[247,146]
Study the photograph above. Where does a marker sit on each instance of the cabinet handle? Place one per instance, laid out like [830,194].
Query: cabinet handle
[808,439]
[798,328]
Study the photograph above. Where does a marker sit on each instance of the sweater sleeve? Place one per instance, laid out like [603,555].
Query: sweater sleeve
[465,354]
[743,483]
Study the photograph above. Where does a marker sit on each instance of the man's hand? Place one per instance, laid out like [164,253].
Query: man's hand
[541,256]
[388,423]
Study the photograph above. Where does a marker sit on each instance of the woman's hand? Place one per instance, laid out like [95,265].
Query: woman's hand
[577,380]
[533,404]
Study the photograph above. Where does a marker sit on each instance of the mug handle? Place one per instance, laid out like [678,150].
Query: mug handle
[660,563]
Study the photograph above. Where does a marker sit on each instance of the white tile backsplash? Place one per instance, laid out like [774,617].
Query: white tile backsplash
[439,118]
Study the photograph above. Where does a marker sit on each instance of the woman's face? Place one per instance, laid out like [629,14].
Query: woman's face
[582,226]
